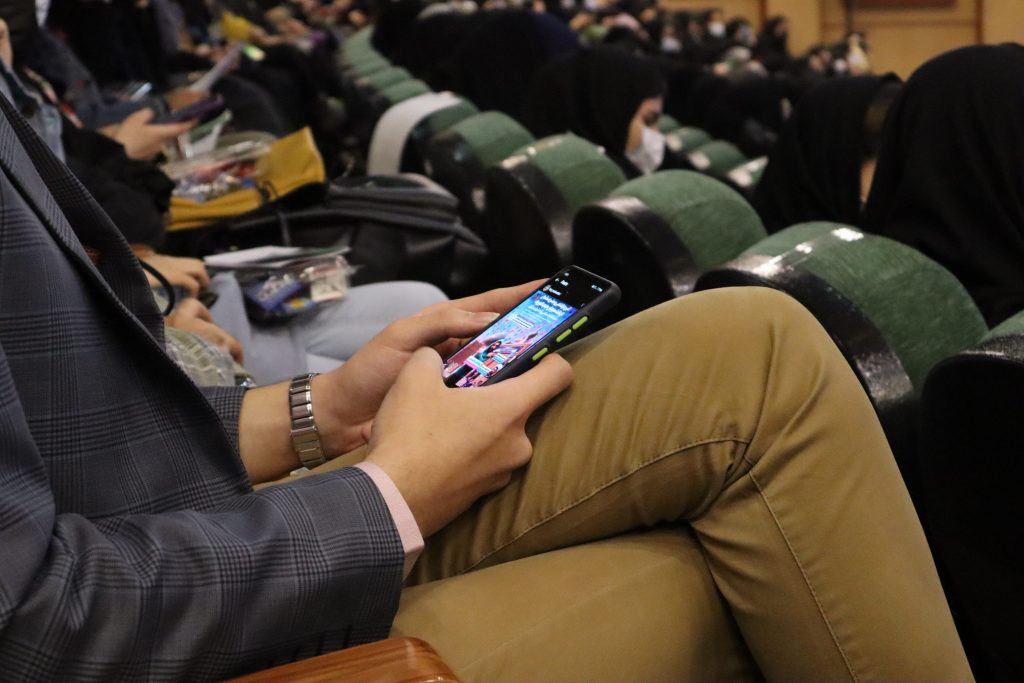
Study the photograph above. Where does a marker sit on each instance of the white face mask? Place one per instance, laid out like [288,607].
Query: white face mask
[671,45]
[591,5]
[651,152]
[717,28]
[42,9]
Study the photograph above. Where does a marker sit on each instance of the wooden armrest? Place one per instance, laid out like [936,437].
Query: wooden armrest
[395,660]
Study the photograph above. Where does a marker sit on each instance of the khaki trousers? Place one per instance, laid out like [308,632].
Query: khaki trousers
[729,419]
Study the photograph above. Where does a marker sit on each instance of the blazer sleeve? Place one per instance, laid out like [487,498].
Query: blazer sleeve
[227,401]
[289,571]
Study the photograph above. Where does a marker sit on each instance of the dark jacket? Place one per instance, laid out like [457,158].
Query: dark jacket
[133,544]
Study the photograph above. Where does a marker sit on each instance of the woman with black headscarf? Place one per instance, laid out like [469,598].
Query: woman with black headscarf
[751,113]
[772,48]
[495,64]
[950,178]
[607,96]
[820,166]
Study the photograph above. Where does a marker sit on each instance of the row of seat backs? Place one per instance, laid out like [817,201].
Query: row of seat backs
[656,235]
[947,390]
[376,83]
[543,204]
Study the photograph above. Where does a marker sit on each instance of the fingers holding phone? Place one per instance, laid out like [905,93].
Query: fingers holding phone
[555,314]
[444,448]
[142,139]
[352,394]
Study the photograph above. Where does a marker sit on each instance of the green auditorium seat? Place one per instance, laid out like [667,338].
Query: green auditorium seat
[350,56]
[361,37]
[686,139]
[367,101]
[458,157]
[381,80]
[431,126]
[532,197]
[893,312]
[365,67]
[655,235]
[400,92]
[401,135]
[667,123]
[353,54]
[716,158]
[746,176]
[972,473]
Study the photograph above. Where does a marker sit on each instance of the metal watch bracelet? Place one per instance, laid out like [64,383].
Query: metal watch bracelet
[304,434]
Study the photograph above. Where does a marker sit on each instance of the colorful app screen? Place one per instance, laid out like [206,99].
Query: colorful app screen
[516,333]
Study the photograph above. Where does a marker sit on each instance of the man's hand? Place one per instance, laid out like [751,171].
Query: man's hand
[444,447]
[143,140]
[347,401]
[192,316]
[348,398]
[189,273]
[6,51]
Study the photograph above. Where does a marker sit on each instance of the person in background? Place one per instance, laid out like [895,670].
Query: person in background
[118,169]
[607,96]
[823,163]
[950,175]
[772,48]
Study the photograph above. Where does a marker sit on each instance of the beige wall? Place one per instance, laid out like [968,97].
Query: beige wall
[902,39]
[751,9]
[1003,21]
[804,21]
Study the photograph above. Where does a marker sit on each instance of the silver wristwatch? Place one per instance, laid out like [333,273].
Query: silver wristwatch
[304,434]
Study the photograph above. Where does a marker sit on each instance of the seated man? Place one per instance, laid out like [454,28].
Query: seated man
[135,547]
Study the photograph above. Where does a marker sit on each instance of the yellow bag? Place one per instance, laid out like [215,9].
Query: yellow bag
[292,163]
[235,27]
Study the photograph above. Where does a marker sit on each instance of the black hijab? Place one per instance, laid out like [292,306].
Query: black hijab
[680,80]
[703,93]
[594,93]
[814,169]
[428,44]
[950,178]
[772,47]
[495,64]
[751,113]
[395,22]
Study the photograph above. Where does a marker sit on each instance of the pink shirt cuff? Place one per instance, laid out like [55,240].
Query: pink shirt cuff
[408,530]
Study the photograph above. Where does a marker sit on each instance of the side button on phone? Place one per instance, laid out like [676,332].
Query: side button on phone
[560,338]
[540,354]
[580,323]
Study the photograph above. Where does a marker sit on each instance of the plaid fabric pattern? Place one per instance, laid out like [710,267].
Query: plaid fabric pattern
[131,543]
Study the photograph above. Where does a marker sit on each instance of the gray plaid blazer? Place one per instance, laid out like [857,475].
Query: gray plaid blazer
[132,545]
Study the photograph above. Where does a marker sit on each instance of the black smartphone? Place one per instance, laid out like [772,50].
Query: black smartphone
[203,109]
[552,316]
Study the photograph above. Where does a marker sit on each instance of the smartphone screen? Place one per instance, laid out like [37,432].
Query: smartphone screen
[524,328]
